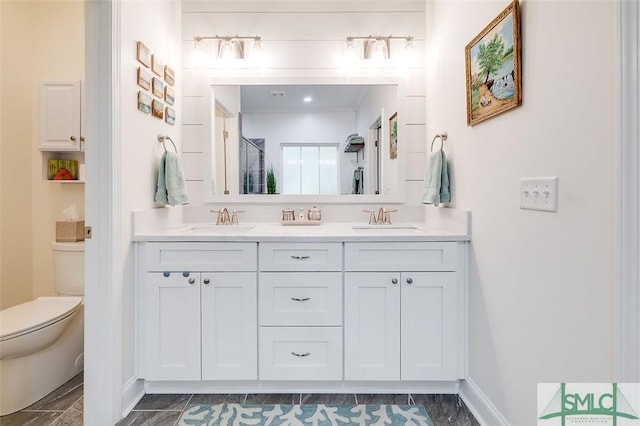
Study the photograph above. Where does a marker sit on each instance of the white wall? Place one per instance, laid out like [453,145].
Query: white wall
[541,284]
[157,24]
[299,128]
[51,47]
[303,40]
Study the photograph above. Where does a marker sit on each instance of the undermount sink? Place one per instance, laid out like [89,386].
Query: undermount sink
[211,229]
[385,228]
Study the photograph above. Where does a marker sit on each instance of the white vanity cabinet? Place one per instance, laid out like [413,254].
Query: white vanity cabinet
[300,304]
[402,321]
[198,311]
[279,314]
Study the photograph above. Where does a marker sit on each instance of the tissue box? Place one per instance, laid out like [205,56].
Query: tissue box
[69,230]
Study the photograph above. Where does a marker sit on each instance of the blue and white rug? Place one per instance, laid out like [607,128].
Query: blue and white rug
[304,415]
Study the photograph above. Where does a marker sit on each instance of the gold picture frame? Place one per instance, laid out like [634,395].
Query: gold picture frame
[493,67]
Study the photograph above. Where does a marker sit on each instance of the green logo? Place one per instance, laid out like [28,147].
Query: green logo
[585,404]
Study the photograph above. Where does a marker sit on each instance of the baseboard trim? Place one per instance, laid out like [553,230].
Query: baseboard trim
[479,405]
[132,392]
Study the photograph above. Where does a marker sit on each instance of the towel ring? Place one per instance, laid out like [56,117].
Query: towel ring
[442,136]
[162,139]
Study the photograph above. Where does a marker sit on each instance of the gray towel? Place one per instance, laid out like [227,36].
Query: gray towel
[171,188]
[436,181]
[161,187]
[445,192]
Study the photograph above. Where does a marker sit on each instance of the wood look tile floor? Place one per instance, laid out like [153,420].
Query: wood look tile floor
[64,406]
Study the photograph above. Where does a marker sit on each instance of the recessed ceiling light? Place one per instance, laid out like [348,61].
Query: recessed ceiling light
[307,99]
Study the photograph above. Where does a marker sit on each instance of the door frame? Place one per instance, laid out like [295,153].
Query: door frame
[628,223]
[103,273]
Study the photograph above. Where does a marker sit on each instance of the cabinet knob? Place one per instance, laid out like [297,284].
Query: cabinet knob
[206,281]
[192,280]
[81,138]
[394,281]
[72,138]
[409,280]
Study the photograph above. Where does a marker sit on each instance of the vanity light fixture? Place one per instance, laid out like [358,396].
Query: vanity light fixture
[377,47]
[229,47]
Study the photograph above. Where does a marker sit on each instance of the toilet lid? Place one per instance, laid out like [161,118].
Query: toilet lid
[36,314]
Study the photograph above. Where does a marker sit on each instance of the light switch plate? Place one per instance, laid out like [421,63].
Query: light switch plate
[539,194]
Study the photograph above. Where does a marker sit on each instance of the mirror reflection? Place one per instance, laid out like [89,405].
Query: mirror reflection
[304,139]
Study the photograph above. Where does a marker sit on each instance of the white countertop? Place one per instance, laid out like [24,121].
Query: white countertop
[325,232]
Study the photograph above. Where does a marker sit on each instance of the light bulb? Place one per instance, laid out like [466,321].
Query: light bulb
[380,50]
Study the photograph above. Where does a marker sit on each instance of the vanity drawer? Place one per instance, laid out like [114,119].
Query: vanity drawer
[210,257]
[300,256]
[409,256]
[300,353]
[300,298]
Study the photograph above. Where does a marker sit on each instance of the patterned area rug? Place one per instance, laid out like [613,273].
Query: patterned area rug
[304,415]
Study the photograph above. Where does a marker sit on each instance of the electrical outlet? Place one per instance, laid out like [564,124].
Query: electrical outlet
[539,194]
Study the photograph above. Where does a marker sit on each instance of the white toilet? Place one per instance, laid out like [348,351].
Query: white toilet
[42,341]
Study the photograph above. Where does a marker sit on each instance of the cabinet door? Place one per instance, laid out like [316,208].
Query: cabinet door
[372,326]
[229,326]
[429,326]
[59,116]
[171,326]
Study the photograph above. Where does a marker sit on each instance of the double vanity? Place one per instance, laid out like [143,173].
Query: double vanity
[337,307]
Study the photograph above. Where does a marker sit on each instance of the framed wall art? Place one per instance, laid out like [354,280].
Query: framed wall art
[170,116]
[144,78]
[393,136]
[169,95]
[157,66]
[169,76]
[157,109]
[144,102]
[493,67]
[143,54]
[158,88]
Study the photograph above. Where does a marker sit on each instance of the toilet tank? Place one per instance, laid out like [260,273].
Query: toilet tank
[68,268]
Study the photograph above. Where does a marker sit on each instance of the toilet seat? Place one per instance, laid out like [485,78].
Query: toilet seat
[34,315]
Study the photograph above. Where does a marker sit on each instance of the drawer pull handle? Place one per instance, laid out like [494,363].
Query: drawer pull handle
[300,355]
[300,299]
[300,257]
